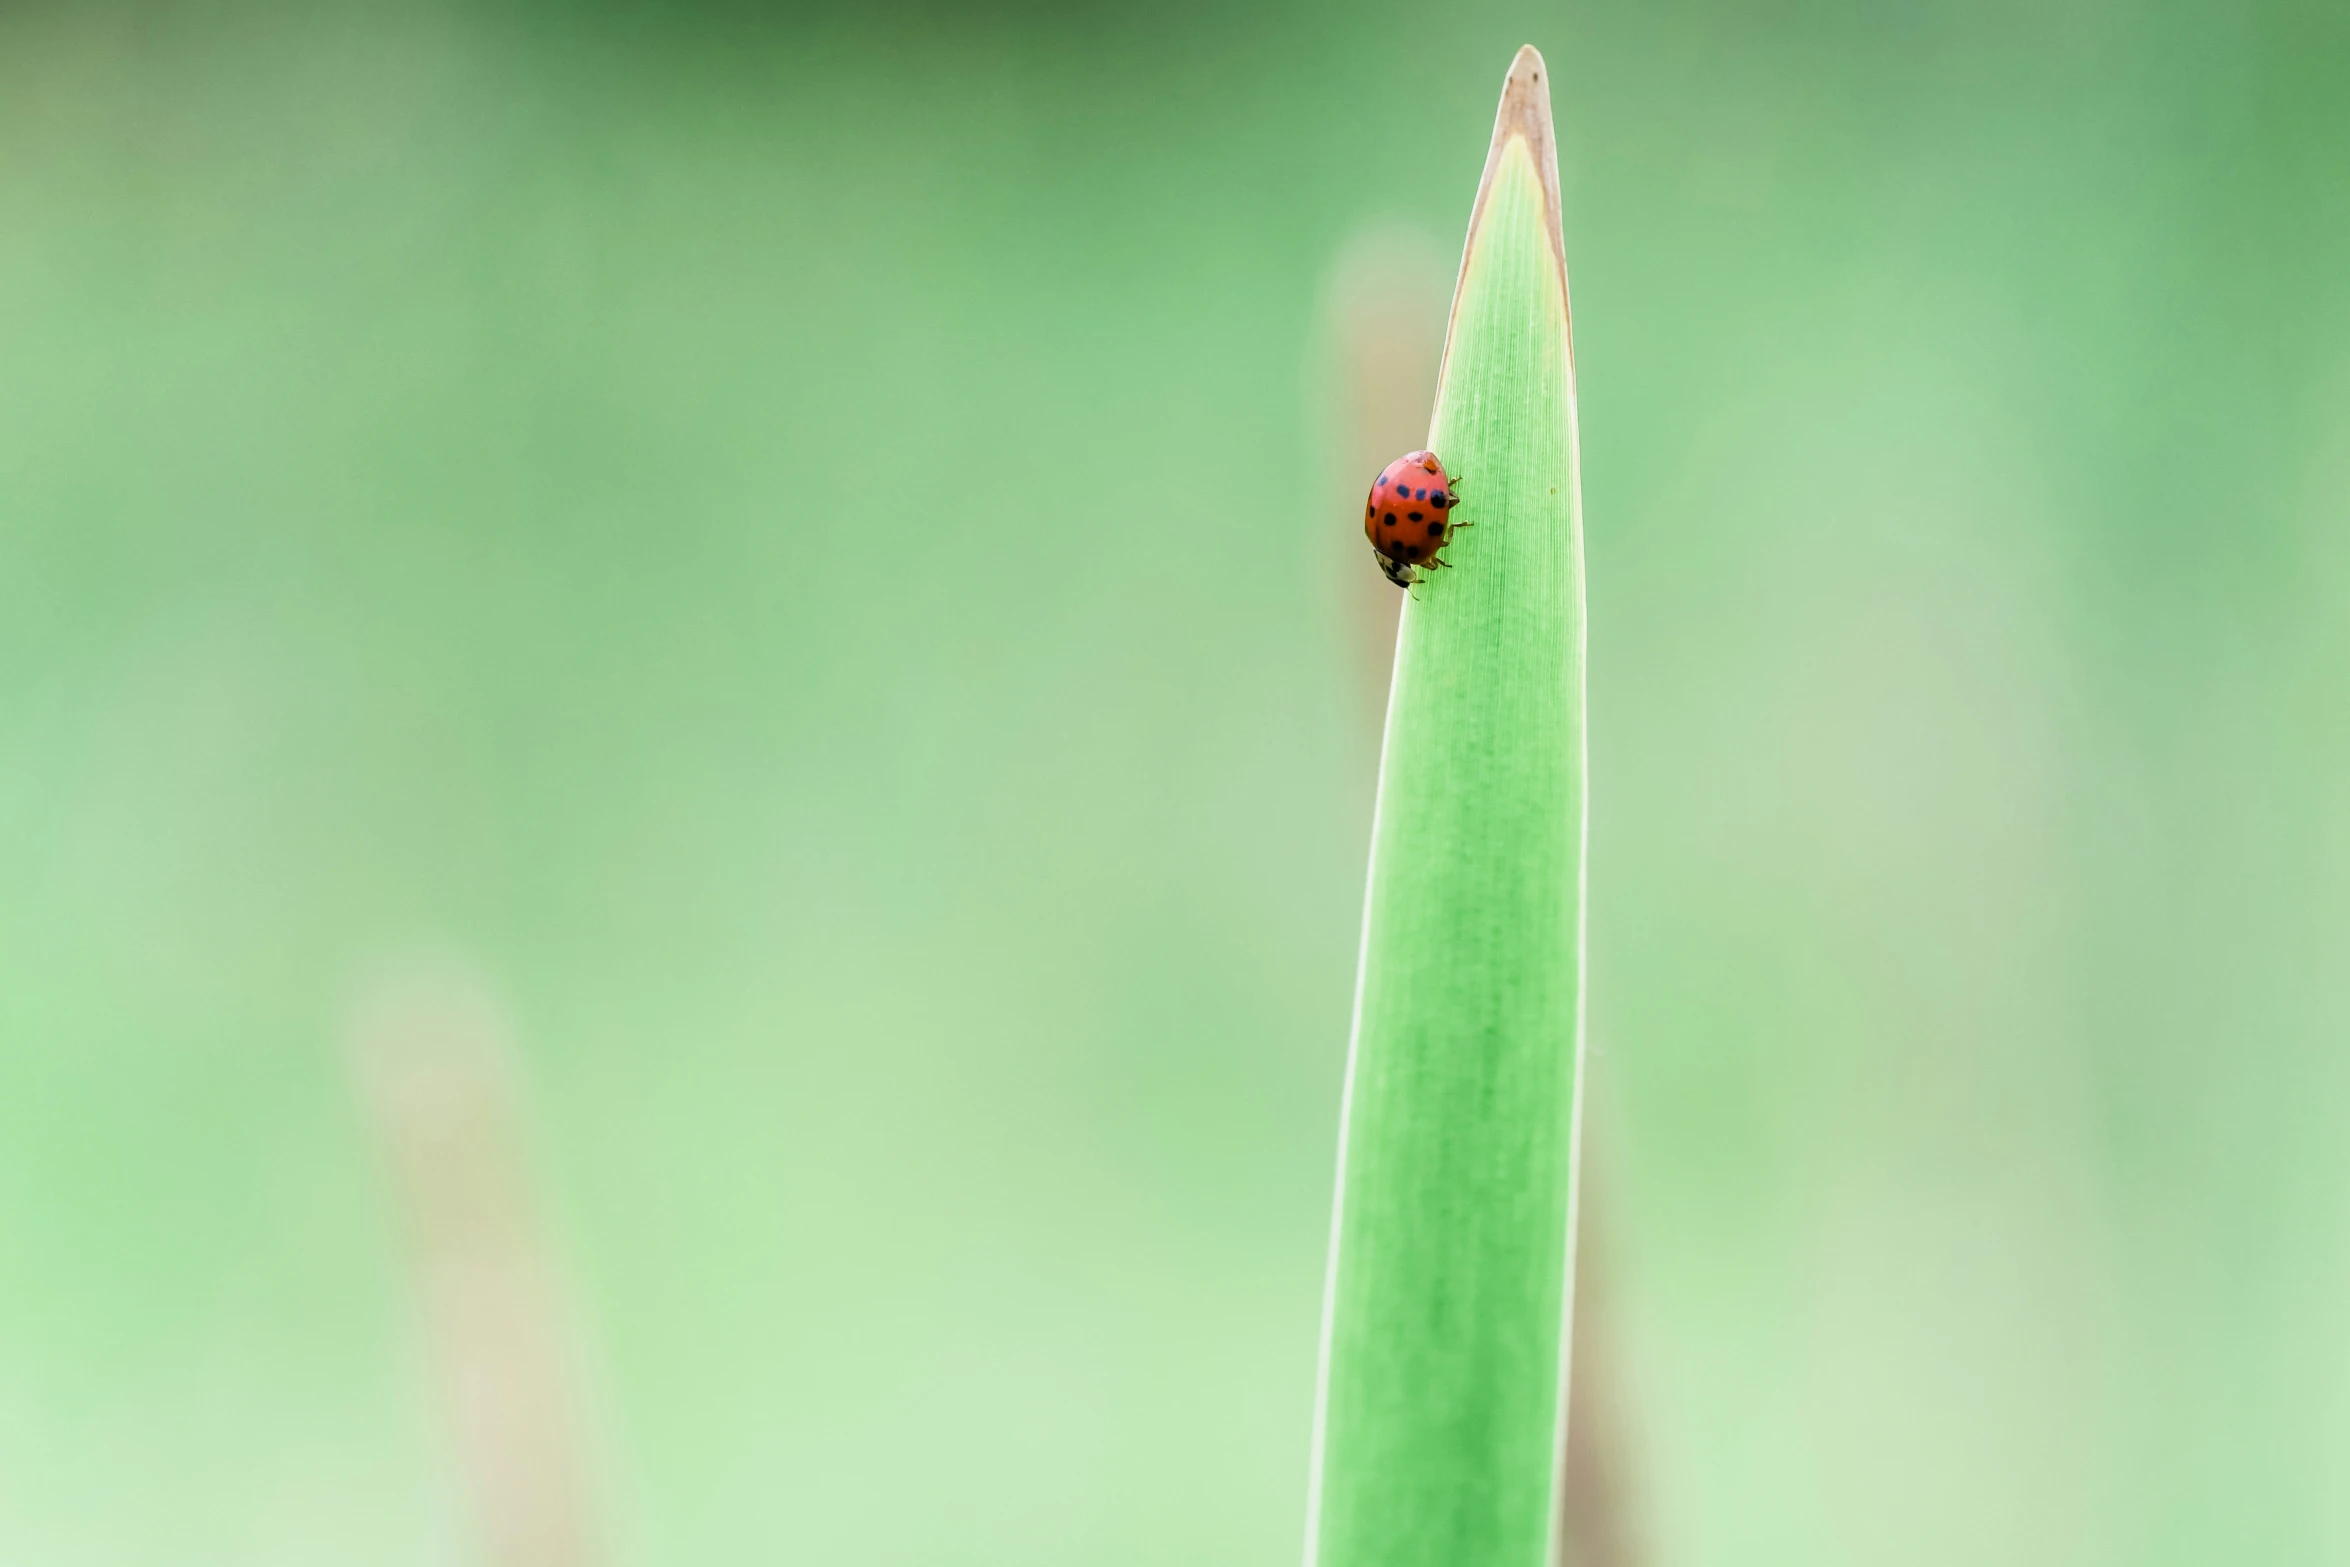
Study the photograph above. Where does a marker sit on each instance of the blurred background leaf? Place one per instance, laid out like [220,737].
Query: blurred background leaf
[807,549]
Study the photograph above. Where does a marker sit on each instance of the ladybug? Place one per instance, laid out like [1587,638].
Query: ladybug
[1409,516]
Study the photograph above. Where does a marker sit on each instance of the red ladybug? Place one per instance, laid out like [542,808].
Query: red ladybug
[1409,516]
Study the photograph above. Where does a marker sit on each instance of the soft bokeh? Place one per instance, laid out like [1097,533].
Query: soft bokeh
[803,564]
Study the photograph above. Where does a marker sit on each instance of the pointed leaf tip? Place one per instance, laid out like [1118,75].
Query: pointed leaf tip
[1524,116]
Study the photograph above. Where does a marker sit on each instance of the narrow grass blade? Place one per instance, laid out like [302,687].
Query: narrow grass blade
[1440,1425]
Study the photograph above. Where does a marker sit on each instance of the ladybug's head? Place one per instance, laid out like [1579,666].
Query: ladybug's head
[1402,574]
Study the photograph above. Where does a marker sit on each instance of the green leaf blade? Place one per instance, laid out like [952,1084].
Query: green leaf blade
[1440,1431]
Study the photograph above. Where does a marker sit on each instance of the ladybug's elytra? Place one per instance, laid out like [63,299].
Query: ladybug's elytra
[1409,516]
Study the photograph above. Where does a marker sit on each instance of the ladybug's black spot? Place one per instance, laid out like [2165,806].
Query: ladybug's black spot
[1440,500]
[1388,521]
[1436,528]
[1416,516]
[1407,552]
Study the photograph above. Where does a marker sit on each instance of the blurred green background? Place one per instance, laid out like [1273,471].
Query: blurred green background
[800,569]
